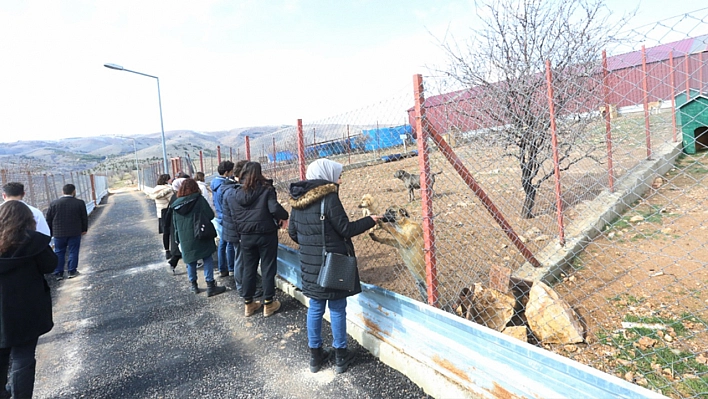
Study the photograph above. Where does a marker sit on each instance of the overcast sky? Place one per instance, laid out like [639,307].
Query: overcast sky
[221,64]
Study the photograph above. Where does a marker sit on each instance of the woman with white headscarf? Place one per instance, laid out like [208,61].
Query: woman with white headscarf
[305,228]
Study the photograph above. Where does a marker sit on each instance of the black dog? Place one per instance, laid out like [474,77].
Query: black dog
[412,181]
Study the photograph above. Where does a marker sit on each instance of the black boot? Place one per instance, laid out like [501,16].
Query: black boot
[318,357]
[343,358]
[213,289]
[194,287]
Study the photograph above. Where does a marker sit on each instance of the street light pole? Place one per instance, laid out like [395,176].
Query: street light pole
[159,101]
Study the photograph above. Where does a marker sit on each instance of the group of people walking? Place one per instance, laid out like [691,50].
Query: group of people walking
[25,257]
[247,216]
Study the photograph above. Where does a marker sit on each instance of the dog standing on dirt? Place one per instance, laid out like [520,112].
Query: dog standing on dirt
[408,239]
[368,207]
[412,181]
[654,107]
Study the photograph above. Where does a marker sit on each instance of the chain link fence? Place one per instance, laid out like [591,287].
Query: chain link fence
[41,188]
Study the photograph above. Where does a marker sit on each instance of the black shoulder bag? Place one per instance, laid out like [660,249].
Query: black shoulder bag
[338,272]
[203,228]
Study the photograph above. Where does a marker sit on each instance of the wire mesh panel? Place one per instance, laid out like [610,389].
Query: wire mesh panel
[570,163]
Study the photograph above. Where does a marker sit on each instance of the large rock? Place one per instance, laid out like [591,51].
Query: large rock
[551,318]
[490,307]
[518,332]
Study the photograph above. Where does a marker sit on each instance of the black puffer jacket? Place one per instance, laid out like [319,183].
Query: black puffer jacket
[25,300]
[257,211]
[229,231]
[305,228]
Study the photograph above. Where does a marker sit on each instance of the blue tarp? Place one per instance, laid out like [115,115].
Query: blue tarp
[282,156]
[330,148]
[385,137]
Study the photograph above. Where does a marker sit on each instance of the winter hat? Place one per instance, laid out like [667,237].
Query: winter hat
[177,183]
[324,169]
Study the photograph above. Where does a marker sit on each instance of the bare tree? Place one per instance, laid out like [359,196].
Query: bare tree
[503,67]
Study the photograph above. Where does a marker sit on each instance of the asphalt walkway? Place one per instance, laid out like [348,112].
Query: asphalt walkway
[127,328]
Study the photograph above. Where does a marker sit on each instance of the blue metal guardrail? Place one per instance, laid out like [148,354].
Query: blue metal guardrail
[449,356]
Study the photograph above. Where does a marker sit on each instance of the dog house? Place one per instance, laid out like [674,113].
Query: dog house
[693,117]
[681,98]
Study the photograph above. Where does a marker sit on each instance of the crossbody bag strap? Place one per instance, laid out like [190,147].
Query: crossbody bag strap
[322,219]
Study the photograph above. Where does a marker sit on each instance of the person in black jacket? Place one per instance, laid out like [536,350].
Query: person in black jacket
[25,300]
[305,228]
[258,216]
[68,221]
[229,231]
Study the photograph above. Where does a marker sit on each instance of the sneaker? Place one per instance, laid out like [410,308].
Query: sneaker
[224,274]
[74,274]
[58,276]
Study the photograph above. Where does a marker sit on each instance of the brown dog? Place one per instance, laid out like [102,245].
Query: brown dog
[654,107]
[408,239]
[369,207]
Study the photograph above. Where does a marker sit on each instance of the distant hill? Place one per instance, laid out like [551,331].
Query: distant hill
[81,153]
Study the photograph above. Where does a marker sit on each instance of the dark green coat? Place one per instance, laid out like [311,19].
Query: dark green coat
[184,209]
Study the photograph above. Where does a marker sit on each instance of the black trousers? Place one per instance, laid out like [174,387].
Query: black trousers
[261,248]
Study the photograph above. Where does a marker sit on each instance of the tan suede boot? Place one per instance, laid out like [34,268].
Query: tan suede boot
[252,308]
[270,308]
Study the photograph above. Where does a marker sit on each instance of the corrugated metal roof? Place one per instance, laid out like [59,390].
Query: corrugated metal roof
[691,45]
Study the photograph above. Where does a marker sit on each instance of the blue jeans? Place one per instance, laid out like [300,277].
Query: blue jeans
[337,317]
[208,270]
[225,251]
[237,267]
[23,368]
[61,245]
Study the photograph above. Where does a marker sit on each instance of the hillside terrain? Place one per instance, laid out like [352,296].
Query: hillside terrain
[81,153]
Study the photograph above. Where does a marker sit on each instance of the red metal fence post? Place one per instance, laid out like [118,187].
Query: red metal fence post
[554,145]
[301,149]
[248,148]
[646,101]
[231,154]
[421,127]
[3,176]
[201,161]
[673,93]
[688,77]
[700,70]
[608,123]
[218,154]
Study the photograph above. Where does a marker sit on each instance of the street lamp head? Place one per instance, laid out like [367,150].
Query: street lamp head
[113,66]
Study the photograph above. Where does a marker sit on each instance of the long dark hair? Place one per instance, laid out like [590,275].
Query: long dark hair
[163,179]
[252,176]
[15,219]
[189,186]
